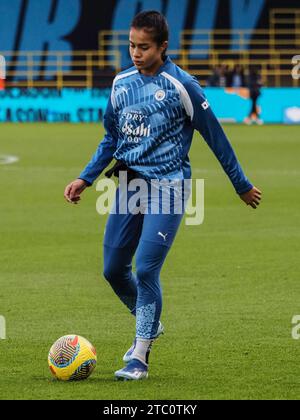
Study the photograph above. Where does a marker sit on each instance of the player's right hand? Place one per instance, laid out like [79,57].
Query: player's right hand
[73,190]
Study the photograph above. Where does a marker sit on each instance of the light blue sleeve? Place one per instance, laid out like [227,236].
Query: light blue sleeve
[205,121]
[104,153]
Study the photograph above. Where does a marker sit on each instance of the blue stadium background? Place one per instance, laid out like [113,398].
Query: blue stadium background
[70,26]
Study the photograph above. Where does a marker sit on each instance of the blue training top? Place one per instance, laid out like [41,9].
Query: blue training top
[150,121]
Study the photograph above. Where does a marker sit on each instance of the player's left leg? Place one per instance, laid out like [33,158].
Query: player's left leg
[156,239]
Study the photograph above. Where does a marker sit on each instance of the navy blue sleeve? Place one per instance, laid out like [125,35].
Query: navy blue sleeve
[204,120]
[104,153]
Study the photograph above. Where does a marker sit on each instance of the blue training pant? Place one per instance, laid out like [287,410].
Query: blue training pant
[148,237]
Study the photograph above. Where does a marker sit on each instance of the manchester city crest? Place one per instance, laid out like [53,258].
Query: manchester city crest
[160,95]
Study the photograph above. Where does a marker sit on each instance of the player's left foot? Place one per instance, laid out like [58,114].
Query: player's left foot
[128,355]
[134,371]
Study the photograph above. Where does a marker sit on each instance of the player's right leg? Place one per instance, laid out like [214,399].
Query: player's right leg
[120,242]
[118,272]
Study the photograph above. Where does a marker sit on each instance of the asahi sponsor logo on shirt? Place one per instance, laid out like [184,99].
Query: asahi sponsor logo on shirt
[132,130]
[140,131]
[133,116]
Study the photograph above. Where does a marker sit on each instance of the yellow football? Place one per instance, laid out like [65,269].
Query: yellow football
[72,358]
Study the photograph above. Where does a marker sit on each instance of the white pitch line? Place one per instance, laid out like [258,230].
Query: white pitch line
[7,159]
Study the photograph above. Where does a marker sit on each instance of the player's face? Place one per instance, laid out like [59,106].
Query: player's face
[144,52]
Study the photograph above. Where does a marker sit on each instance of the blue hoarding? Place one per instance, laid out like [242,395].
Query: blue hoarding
[278,105]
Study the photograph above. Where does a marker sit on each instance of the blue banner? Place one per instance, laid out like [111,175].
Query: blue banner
[233,105]
[50,105]
[278,105]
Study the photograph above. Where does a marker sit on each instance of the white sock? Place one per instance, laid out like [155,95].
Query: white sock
[141,348]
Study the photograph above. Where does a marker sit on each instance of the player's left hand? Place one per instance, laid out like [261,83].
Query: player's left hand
[252,198]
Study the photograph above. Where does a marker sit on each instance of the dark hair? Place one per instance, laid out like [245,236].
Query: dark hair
[154,23]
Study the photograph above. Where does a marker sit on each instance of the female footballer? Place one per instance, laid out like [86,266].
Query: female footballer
[150,119]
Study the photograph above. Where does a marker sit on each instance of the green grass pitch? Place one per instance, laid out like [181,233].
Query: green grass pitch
[231,286]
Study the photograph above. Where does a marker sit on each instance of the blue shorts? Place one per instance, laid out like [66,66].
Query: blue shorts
[128,229]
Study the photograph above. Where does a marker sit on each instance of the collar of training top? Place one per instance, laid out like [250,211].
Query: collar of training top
[161,68]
